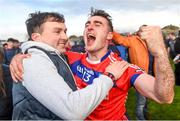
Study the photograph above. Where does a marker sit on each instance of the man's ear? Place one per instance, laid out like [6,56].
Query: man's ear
[110,36]
[35,36]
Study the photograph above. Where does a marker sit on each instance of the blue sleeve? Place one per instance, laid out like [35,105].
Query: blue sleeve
[133,79]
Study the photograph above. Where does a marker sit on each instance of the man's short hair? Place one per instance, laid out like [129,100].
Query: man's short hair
[12,40]
[35,20]
[172,33]
[102,13]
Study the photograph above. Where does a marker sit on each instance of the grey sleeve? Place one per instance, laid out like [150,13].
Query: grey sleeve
[48,87]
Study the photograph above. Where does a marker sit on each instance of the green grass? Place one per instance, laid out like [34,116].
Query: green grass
[156,111]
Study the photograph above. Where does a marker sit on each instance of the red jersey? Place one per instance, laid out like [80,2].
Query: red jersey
[113,107]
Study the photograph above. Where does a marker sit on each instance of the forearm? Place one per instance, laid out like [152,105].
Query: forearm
[119,39]
[164,83]
[84,101]
[49,88]
[67,104]
[163,86]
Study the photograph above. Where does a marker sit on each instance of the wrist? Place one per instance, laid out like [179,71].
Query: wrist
[110,75]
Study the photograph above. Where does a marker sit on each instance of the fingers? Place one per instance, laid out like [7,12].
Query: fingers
[122,65]
[16,66]
[117,68]
[144,35]
[119,63]
[15,70]
[145,32]
[14,74]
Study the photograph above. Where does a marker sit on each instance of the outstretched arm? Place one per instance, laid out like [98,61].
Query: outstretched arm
[161,89]
[122,40]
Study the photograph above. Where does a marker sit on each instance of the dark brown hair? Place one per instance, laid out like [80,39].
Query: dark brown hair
[35,20]
[102,13]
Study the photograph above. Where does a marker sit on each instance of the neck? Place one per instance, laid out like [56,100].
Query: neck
[95,56]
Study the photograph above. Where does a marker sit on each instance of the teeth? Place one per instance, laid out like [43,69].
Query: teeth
[91,36]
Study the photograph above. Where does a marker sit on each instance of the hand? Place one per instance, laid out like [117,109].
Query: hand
[16,67]
[176,60]
[153,38]
[117,68]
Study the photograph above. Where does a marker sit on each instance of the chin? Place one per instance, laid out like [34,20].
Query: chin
[88,49]
[62,50]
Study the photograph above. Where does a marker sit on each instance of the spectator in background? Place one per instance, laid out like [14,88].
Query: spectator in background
[121,50]
[140,56]
[68,46]
[5,46]
[5,90]
[12,49]
[79,47]
[177,61]
[170,44]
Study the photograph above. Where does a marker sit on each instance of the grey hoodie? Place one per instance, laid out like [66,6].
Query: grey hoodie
[44,83]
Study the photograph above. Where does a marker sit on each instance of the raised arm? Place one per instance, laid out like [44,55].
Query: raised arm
[122,40]
[161,89]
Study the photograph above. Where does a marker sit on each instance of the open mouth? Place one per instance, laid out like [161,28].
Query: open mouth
[90,39]
[61,43]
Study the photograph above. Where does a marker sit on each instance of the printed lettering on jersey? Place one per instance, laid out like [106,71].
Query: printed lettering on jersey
[83,72]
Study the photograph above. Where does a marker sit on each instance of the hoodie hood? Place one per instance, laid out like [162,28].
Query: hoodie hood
[28,44]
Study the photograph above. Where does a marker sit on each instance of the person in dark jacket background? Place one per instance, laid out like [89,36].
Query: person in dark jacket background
[11,50]
[5,90]
[177,61]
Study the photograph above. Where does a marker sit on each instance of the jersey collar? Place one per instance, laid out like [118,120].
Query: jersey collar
[98,61]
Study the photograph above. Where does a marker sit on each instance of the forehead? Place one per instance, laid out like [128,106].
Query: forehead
[10,42]
[97,18]
[52,24]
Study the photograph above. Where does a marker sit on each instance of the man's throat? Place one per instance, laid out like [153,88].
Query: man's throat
[91,61]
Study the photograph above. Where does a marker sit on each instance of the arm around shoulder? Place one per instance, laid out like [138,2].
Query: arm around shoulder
[44,83]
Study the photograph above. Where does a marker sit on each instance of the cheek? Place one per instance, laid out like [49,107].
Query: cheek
[85,41]
[61,49]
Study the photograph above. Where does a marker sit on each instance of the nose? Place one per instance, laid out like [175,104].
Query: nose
[90,27]
[64,36]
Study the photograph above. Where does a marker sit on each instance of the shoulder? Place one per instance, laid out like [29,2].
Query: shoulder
[70,53]
[37,61]
[114,56]
[73,56]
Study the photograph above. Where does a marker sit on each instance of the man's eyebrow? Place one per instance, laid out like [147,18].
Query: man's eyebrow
[98,22]
[87,22]
[58,28]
